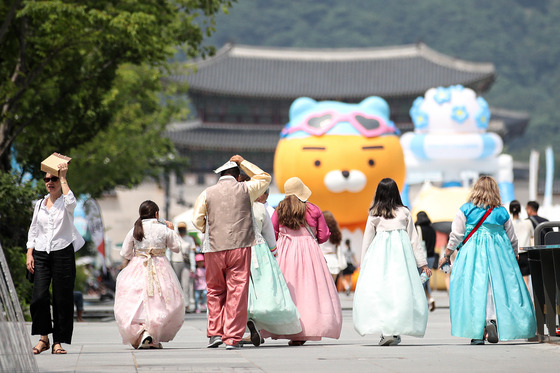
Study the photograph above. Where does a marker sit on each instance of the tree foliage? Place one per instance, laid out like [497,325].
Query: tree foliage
[132,146]
[61,60]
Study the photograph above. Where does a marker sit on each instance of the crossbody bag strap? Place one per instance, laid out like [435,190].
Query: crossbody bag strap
[534,221]
[311,232]
[38,207]
[476,226]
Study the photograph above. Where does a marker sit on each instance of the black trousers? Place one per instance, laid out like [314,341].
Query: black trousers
[58,267]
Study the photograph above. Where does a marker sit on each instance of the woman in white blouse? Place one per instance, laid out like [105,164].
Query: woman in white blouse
[524,231]
[52,241]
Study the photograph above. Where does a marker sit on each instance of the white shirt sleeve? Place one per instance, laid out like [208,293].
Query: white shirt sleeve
[173,240]
[458,228]
[268,231]
[508,226]
[127,245]
[32,234]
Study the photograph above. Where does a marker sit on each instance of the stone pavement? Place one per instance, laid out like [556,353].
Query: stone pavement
[97,347]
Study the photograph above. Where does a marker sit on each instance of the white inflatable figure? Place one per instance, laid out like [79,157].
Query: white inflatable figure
[450,143]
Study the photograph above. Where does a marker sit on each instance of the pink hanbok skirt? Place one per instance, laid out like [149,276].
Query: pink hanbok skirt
[160,313]
[311,287]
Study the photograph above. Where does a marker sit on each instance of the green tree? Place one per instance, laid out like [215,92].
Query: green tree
[132,146]
[60,60]
[15,218]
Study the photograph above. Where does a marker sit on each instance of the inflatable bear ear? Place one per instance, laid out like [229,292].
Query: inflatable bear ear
[377,104]
[301,105]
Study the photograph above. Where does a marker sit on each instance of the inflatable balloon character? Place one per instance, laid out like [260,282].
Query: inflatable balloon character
[450,143]
[341,152]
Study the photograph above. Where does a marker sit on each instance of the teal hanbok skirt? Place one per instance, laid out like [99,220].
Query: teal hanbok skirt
[488,256]
[270,303]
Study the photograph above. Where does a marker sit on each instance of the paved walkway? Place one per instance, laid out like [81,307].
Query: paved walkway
[97,348]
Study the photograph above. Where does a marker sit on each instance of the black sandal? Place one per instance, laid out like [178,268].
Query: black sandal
[46,346]
[59,350]
[296,343]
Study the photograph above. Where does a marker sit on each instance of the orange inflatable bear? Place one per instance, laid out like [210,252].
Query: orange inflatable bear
[341,152]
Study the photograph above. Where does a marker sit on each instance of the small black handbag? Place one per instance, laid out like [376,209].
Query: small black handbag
[29,276]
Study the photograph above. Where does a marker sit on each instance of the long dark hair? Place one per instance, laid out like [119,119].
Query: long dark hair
[515,207]
[336,235]
[428,232]
[147,210]
[386,200]
[422,218]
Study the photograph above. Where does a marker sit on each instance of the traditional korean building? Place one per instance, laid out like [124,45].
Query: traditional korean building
[241,96]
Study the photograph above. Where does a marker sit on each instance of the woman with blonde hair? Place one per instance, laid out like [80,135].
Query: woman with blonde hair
[487,295]
[300,227]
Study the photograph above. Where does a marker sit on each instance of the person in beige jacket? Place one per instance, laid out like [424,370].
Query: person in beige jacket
[224,213]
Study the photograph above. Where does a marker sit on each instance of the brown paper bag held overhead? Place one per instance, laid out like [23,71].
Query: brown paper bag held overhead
[50,165]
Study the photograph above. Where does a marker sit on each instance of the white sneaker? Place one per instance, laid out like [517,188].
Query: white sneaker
[396,340]
[236,346]
[390,340]
[386,340]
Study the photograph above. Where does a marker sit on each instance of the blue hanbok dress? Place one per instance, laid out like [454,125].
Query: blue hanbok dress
[488,257]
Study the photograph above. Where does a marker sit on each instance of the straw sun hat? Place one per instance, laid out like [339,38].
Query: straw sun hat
[294,186]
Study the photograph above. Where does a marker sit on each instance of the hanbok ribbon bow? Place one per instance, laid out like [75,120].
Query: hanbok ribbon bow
[151,268]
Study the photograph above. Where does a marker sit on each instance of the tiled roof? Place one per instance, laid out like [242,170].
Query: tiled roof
[195,135]
[513,122]
[248,71]
[224,137]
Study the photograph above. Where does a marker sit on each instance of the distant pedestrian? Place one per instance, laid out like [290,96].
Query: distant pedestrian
[347,272]
[200,284]
[524,231]
[427,237]
[79,303]
[389,300]
[488,298]
[183,264]
[333,253]
[532,209]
